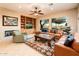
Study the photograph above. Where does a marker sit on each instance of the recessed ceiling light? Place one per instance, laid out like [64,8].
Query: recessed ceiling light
[51,4]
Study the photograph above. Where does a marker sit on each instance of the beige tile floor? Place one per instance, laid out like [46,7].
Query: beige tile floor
[7,48]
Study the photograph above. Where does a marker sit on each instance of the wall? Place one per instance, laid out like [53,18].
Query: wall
[71,14]
[3,28]
[78,20]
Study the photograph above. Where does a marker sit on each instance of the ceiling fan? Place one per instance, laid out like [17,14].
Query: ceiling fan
[36,11]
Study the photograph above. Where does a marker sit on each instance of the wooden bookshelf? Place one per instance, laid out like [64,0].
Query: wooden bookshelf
[25,20]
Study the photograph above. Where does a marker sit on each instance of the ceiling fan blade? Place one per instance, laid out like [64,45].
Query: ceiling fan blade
[41,13]
[36,7]
[32,13]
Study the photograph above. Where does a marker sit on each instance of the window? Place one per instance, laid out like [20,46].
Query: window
[44,24]
[59,23]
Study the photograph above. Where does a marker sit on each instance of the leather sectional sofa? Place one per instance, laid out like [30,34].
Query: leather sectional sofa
[61,50]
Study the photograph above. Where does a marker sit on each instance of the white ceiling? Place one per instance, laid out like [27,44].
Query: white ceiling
[25,8]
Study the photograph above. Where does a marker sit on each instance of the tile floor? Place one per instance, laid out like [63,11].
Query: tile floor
[8,48]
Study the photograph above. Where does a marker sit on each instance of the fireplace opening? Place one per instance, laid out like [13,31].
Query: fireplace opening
[8,33]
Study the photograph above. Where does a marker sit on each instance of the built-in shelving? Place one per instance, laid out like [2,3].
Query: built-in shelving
[25,20]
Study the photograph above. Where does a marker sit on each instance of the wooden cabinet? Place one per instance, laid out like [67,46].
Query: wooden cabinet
[27,20]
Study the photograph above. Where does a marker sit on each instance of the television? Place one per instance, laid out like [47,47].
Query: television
[29,26]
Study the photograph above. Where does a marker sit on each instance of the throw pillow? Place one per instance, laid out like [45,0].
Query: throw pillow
[69,40]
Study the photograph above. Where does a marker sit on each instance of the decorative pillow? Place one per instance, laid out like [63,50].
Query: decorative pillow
[44,30]
[69,40]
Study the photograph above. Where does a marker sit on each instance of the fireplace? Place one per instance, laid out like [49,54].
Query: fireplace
[8,33]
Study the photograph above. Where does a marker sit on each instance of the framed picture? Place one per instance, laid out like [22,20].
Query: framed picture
[10,21]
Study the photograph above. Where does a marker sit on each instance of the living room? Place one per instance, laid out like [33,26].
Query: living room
[28,19]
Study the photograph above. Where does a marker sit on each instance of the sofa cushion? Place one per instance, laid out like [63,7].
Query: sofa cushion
[69,40]
[62,40]
[75,44]
[17,32]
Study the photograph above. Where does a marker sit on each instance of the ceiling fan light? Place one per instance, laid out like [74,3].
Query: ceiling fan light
[35,14]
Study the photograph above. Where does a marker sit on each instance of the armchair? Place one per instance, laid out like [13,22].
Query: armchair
[18,37]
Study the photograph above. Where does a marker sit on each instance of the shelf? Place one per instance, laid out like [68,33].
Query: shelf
[27,20]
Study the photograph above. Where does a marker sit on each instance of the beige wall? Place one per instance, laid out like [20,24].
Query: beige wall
[3,28]
[78,20]
[71,14]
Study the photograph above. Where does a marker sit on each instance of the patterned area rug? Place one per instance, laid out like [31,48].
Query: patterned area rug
[41,47]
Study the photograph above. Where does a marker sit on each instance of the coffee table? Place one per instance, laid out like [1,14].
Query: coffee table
[45,37]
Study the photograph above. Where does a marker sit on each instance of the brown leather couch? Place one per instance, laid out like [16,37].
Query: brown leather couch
[61,50]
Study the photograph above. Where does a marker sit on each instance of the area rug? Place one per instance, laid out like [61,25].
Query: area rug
[43,48]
